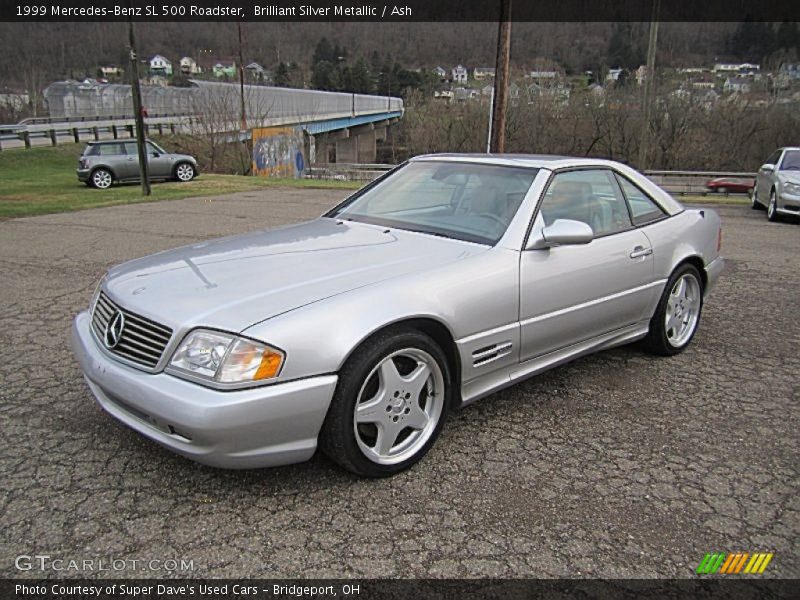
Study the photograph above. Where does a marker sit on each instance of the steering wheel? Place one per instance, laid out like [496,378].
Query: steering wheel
[494,218]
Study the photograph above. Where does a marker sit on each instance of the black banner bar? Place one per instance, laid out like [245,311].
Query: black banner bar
[369,589]
[401,11]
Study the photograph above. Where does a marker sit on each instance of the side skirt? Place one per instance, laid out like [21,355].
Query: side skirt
[503,378]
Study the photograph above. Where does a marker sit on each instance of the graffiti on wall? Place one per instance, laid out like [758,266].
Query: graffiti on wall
[278,152]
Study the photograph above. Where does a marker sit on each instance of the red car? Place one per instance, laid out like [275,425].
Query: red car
[727,185]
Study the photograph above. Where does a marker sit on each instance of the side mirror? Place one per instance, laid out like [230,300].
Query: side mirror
[768,167]
[156,155]
[564,232]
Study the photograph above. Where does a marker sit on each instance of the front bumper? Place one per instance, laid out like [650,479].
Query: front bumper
[260,427]
[791,203]
[83,174]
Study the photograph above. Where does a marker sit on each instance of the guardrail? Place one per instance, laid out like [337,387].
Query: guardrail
[83,128]
[675,182]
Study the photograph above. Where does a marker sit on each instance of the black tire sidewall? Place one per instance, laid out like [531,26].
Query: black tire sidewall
[337,438]
[656,339]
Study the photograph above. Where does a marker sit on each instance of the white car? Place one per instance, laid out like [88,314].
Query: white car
[778,184]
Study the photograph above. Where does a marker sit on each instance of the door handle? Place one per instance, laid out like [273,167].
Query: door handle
[640,251]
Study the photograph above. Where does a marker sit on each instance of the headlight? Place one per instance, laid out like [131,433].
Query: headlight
[225,359]
[792,188]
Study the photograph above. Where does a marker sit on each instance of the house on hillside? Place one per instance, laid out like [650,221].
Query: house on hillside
[110,71]
[257,74]
[158,65]
[189,66]
[224,68]
[460,74]
[440,72]
[480,73]
[736,85]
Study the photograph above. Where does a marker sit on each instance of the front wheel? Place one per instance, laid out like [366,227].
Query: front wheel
[389,406]
[184,172]
[678,313]
[772,208]
[754,203]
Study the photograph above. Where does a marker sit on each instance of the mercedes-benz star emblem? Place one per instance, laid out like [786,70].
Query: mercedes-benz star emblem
[114,330]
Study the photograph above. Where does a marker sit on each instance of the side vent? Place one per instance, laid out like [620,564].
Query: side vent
[487,354]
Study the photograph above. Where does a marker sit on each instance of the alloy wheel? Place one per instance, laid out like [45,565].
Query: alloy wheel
[399,406]
[683,310]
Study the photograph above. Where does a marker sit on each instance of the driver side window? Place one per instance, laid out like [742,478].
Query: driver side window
[590,196]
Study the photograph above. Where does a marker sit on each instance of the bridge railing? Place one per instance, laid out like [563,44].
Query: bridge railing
[80,129]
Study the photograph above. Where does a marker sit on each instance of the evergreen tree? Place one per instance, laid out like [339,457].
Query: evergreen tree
[282,75]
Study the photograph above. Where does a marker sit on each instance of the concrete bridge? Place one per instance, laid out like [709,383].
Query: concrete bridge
[336,127]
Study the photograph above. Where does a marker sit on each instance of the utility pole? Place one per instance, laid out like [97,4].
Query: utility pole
[500,97]
[650,76]
[144,172]
[241,79]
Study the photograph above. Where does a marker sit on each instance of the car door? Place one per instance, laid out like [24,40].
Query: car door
[572,293]
[130,162]
[766,176]
[160,162]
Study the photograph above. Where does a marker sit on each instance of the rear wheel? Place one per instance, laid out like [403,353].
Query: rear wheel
[389,406]
[102,179]
[678,313]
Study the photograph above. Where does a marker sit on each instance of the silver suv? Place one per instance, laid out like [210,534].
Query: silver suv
[102,163]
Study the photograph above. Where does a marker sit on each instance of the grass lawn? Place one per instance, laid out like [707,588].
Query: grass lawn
[43,180]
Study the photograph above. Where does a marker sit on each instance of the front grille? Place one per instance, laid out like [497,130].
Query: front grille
[142,341]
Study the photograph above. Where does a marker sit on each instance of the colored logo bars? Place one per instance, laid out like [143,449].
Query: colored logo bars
[727,564]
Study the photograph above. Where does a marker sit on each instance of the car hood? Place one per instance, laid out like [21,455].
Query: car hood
[233,283]
[790,177]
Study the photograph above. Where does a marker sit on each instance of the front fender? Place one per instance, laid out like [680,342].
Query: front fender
[476,294]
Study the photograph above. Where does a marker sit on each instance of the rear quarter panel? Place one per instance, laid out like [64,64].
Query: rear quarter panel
[691,233]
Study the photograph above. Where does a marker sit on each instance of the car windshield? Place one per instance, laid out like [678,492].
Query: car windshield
[466,201]
[791,161]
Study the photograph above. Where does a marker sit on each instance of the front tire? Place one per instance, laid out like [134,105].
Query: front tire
[754,203]
[772,209]
[102,179]
[678,313]
[184,172]
[390,404]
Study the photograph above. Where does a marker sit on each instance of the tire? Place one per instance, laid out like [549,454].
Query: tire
[723,190]
[772,208]
[102,179]
[184,172]
[677,316]
[754,203]
[381,421]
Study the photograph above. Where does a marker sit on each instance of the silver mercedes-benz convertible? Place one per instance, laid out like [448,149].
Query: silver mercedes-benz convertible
[441,282]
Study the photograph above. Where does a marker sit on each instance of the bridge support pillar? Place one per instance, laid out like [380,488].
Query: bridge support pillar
[347,150]
[360,147]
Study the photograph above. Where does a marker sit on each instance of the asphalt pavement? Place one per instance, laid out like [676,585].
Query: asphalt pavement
[618,465]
